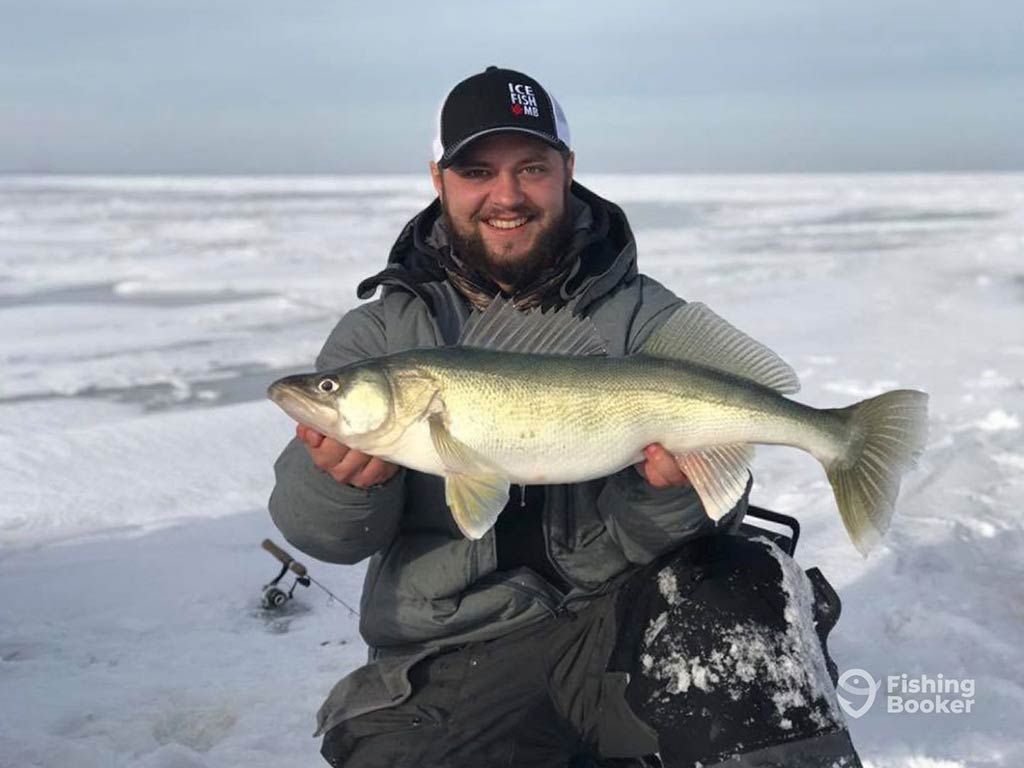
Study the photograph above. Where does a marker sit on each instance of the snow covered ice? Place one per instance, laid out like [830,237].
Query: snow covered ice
[141,320]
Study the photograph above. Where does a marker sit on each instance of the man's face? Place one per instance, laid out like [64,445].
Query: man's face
[506,203]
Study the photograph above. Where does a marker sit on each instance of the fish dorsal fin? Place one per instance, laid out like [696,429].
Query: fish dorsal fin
[503,328]
[695,334]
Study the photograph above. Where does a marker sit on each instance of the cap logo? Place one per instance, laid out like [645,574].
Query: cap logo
[524,102]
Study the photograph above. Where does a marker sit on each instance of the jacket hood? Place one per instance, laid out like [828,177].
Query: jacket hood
[605,255]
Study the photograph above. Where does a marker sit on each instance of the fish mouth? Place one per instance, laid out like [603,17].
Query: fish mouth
[293,400]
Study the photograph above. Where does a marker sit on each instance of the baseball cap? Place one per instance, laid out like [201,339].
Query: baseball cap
[496,101]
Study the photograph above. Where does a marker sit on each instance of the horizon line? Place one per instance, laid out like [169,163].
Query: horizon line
[320,174]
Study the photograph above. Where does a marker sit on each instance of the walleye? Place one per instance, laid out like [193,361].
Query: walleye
[532,398]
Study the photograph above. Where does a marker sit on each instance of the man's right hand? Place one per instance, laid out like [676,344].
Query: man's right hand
[344,464]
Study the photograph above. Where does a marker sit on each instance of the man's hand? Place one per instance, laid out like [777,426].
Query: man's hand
[659,468]
[344,464]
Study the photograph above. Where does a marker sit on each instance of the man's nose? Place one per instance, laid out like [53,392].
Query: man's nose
[507,191]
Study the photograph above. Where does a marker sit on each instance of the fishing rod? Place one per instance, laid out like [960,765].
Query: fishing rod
[274,596]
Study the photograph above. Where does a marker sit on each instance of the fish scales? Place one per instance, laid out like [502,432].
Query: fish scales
[599,413]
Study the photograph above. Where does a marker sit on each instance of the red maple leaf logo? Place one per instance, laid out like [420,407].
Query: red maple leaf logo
[517,109]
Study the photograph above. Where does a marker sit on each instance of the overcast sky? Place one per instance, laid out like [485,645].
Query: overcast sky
[327,86]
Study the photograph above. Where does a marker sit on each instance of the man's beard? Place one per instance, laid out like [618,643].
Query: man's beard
[518,272]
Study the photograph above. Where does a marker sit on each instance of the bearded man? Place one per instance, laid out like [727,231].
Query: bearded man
[596,623]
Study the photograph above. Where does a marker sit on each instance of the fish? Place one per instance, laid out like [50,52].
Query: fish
[533,397]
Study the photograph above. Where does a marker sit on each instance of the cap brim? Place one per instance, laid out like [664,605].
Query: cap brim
[449,156]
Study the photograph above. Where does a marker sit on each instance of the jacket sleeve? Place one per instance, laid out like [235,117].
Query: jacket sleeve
[326,519]
[643,520]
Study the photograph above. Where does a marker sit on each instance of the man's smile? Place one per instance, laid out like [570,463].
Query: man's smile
[507,223]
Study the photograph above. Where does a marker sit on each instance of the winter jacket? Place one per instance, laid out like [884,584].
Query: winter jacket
[427,587]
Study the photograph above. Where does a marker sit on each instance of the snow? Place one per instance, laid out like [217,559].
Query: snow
[141,320]
[150,649]
[668,585]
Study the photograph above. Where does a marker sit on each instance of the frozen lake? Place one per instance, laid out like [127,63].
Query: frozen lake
[141,320]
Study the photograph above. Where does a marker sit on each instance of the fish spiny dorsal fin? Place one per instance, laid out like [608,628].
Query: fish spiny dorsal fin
[695,334]
[503,328]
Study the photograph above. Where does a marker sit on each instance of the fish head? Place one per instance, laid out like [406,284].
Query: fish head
[345,403]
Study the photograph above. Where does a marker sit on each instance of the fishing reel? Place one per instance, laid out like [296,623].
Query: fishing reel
[274,596]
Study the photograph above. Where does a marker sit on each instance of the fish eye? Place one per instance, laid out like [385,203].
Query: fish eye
[327,385]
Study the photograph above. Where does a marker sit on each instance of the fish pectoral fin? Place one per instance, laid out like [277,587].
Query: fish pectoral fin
[718,475]
[475,491]
[456,456]
[475,501]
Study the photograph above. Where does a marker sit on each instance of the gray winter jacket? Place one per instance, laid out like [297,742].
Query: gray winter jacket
[426,586]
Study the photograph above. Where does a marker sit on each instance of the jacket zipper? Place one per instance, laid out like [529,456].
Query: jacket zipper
[546,528]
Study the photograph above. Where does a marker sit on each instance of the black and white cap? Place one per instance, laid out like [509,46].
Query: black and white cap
[495,101]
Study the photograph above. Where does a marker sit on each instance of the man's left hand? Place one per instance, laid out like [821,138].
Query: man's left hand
[659,468]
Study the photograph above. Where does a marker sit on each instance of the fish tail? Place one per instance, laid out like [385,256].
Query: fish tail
[886,435]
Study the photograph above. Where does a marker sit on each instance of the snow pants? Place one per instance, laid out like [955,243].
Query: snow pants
[714,654]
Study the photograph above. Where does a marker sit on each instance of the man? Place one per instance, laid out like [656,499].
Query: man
[604,620]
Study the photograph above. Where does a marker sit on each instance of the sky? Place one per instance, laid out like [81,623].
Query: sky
[330,86]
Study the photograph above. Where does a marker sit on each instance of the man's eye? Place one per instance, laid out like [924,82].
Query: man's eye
[473,173]
[535,170]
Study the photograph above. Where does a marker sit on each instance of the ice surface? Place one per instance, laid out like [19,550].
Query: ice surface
[151,650]
[142,318]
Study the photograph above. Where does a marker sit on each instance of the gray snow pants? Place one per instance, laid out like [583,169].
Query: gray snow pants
[708,656]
